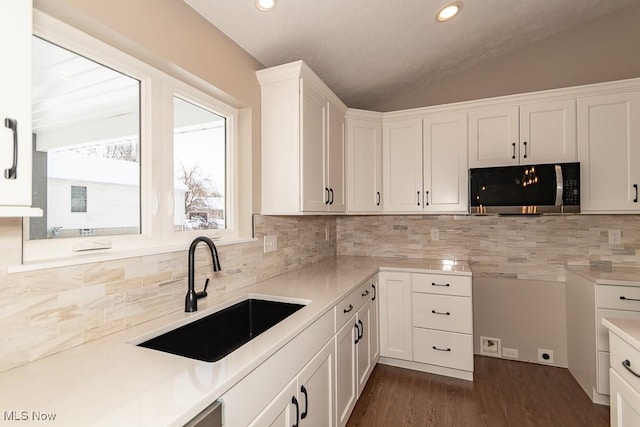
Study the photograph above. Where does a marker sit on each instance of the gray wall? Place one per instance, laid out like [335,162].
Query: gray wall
[600,50]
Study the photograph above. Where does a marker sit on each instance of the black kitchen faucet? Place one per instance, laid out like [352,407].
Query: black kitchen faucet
[191,300]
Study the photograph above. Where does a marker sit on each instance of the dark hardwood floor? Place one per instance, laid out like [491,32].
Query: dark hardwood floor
[503,393]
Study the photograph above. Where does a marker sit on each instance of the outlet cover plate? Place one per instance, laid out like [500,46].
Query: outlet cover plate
[490,346]
[435,234]
[615,237]
[270,243]
[545,356]
[511,353]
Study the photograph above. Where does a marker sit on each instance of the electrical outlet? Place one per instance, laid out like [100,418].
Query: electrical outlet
[510,352]
[326,234]
[615,237]
[545,356]
[435,234]
[270,243]
[490,346]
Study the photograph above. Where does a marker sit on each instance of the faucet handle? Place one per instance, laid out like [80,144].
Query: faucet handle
[203,293]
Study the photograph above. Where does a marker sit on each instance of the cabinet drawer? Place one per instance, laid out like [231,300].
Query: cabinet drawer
[620,297]
[621,352]
[441,284]
[603,332]
[352,303]
[448,349]
[443,312]
[602,384]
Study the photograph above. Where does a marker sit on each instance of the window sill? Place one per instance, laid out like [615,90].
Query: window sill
[109,255]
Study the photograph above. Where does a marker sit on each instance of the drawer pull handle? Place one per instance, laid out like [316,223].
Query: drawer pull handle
[623,298]
[627,366]
[441,349]
[348,309]
[365,293]
[446,285]
[295,403]
[303,415]
[444,313]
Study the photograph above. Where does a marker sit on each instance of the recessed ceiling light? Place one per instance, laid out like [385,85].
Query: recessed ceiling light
[265,5]
[448,11]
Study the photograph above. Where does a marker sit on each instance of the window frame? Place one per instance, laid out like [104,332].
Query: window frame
[157,90]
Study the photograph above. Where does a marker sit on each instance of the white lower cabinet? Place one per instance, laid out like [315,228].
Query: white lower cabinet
[356,348]
[624,383]
[426,322]
[588,346]
[308,399]
[625,403]
[395,315]
[346,360]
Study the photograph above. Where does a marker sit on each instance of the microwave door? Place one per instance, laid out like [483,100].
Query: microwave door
[559,185]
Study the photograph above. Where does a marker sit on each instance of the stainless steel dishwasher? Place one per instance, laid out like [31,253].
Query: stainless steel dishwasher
[210,417]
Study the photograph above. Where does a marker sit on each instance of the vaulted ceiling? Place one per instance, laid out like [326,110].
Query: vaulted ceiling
[370,50]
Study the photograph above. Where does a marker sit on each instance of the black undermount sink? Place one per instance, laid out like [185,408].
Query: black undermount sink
[213,337]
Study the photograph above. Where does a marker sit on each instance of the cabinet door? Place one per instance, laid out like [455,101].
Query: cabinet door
[364,166]
[346,380]
[402,166]
[625,402]
[375,322]
[316,389]
[609,152]
[315,190]
[335,166]
[548,132]
[395,315]
[15,104]
[363,347]
[493,137]
[281,411]
[446,185]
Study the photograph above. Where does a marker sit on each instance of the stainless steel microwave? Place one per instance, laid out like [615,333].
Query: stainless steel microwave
[525,189]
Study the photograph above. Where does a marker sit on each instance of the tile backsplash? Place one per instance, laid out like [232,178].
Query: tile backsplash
[46,311]
[520,247]
[43,312]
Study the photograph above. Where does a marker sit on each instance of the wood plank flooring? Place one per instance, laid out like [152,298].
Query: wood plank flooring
[503,393]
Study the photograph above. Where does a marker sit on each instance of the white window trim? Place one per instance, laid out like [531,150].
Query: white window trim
[156,202]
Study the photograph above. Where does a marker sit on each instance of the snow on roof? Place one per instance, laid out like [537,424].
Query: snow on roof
[79,167]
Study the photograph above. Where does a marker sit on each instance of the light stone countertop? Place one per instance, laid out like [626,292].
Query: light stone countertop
[627,329]
[619,276]
[110,382]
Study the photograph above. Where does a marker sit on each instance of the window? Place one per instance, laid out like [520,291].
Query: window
[78,199]
[86,127]
[199,157]
[126,155]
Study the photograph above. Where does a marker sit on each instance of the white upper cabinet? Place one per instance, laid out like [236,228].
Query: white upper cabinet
[302,142]
[609,152]
[15,110]
[540,132]
[335,167]
[364,164]
[402,166]
[445,163]
[425,164]
[493,137]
